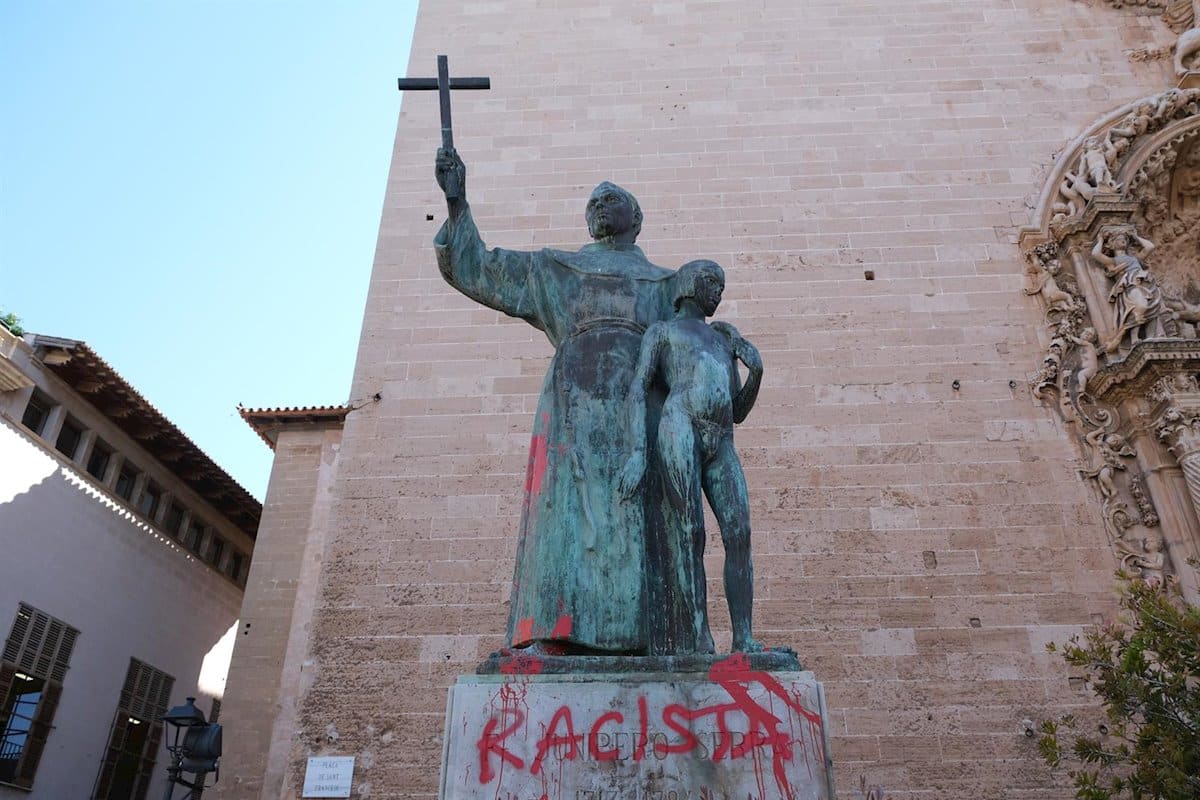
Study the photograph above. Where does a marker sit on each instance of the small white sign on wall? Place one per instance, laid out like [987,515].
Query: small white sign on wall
[328,776]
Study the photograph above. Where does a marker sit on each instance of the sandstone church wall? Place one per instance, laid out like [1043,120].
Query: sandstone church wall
[861,169]
[269,673]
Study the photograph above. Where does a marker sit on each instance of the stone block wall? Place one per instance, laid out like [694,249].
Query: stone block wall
[861,170]
[270,663]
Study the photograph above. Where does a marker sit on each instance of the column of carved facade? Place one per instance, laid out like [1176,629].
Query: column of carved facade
[1178,428]
[1094,288]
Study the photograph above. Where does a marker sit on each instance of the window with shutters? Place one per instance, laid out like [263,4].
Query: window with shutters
[125,480]
[99,459]
[195,536]
[216,551]
[37,412]
[69,437]
[32,668]
[128,765]
[148,502]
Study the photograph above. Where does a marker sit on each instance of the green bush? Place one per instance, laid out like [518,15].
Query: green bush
[1145,668]
[12,322]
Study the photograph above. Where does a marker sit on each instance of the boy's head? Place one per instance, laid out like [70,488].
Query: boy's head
[702,281]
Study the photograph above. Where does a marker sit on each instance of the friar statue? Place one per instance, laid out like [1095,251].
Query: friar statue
[580,584]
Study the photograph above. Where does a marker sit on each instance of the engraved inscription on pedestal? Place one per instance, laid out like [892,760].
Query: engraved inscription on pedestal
[732,734]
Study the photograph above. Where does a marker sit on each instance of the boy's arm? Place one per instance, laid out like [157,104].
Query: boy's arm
[635,405]
[743,401]
[743,395]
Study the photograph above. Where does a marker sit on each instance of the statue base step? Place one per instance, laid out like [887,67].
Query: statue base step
[518,662]
[732,732]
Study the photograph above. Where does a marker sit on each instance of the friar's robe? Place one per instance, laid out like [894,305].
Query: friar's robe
[581,554]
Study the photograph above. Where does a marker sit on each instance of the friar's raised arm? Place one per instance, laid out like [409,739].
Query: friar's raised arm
[497,278]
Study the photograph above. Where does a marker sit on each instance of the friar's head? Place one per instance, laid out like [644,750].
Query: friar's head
[613,214]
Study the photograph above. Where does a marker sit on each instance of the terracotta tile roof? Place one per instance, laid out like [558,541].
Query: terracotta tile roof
[267,421]
[87,373]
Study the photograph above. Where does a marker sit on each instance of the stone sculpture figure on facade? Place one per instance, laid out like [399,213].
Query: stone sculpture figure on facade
[1094,167]
[698,365]
[1107,451]
[1184,14]
[1089,358]
[1043,280]
[1135,294]
[1149,560]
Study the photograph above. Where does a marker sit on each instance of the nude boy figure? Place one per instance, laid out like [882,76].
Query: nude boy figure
[697,364]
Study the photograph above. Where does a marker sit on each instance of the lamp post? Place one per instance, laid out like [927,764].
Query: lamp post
[194,745]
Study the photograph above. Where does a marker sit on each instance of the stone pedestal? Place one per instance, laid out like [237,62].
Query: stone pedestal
[733,732]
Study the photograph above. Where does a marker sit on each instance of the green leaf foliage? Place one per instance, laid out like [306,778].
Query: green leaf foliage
[12,322]
[1145,669]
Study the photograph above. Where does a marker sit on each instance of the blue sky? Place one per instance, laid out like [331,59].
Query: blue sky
[194,189]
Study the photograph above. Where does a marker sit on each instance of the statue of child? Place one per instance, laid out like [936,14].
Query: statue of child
[697,363]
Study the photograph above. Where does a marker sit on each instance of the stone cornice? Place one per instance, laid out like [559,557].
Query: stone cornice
[1146,363]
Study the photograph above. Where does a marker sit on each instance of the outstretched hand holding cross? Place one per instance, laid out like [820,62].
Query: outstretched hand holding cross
[450,170]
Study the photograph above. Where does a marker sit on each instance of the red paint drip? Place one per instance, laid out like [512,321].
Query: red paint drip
[735,676]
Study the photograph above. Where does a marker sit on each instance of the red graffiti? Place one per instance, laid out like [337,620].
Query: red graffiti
[519,664]
[643,729]
[536,470]
[555,642]
[552,739]
[671,715]
[745,727]
[735,677]
[524,630]
[489,744]
[609,754]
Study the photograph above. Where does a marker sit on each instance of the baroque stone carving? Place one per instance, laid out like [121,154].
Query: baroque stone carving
[1103,153]
[1137,488]
[1181,17]
[1137,300]
[1107,451]
[1115,262]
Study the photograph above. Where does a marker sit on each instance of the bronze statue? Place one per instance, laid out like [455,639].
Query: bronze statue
[697,362]
[579,582]
[597,574]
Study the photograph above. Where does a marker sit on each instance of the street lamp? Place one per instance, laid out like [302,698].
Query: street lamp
[194,745]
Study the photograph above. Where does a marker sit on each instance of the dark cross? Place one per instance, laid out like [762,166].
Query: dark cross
[444,83]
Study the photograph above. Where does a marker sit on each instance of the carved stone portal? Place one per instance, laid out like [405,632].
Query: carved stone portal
[1114,255]
[1182,17]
